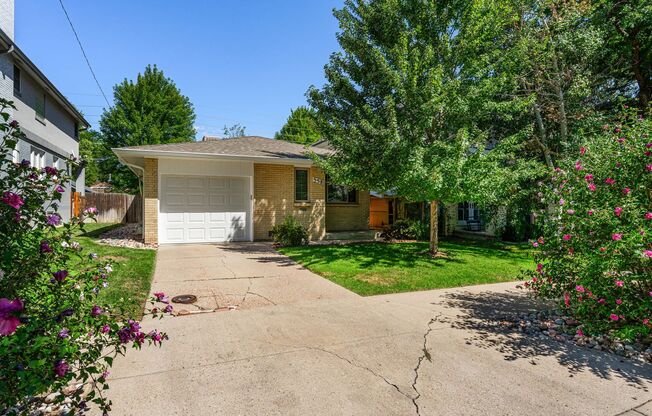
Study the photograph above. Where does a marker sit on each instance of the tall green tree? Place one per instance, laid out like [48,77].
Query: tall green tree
[301,127]
[150,110]
[92,152]
[391,105]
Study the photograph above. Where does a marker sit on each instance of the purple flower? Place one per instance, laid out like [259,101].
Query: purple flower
[13,124]
[59,189]
[90,211]
[45,247]
[64,333]
[8,321]
[24,163]
[168,309]
[54,219]
[155,336]
[60,275]
[105,329]
[61,368]
[160,296]
[12,199]
[96,311]
[50,170]
[618,211]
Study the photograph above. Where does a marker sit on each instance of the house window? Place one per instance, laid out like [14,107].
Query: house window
[76,130]
[340,194]
[467,211]
[37,158]
[300,184]
[16,80]
[39,107]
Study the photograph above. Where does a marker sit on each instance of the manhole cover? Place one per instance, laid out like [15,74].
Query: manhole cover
[184,299]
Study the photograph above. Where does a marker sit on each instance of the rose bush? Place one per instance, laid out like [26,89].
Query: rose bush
[595,254]
[54,329]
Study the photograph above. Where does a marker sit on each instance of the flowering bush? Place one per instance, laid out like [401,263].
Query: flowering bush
[595,253]
[54,329]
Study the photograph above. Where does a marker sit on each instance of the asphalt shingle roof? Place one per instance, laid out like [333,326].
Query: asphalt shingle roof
[249,146]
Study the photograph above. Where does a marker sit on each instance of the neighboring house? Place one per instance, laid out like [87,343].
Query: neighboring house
[101,187]
[49,122]
[237,189]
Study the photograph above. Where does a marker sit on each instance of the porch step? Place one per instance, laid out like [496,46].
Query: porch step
[366,235]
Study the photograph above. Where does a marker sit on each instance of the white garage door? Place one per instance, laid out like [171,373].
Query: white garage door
[198,209]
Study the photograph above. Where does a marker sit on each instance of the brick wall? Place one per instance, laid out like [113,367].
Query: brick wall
[274,200]
[349,217]
[150,201]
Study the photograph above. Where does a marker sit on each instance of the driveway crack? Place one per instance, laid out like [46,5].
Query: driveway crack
[424,356]
[261,296]
[380,376]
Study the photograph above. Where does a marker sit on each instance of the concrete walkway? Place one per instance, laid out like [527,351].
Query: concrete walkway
[297,344]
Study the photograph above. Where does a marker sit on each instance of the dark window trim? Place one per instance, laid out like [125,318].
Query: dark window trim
[17,80]
[352,195]
[41,117]
[307,185]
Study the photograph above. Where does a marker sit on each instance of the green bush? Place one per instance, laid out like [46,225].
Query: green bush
[54,327]
[595,254]
[290,232]
[406,230]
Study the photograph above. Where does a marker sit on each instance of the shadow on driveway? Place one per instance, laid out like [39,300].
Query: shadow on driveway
[485,314]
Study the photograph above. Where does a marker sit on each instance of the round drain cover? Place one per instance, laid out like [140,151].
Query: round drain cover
[184,299]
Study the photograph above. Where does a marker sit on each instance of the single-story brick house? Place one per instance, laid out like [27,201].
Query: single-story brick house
[218,190]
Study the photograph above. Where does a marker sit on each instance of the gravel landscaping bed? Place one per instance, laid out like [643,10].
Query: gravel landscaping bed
[129,235]
[556,326]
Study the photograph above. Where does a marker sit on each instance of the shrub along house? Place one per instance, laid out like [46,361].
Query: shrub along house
[218,190]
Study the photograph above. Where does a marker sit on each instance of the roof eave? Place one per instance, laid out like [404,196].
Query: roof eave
[43,79]
[163,154]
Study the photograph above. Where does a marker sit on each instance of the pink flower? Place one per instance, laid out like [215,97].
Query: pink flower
[617,237]
[648,167]
[590,212]
[567,299]
[601,301]
[570,211]
[613,317]
[619,283]
[626,191]
[90,211]
[609,181]
[567,237]
[648,145]
[588,177]
[619,301]
[160,296]
[535,244]
[592,187]
[580,288]
[61,368]
[539,267]
[12,199]
[60,275]
[562,202]
[618,211]
[580,333]
[647,253]
[54,220]
[648,215]
[8,321]
[578,165]
[582,150]
[646,321]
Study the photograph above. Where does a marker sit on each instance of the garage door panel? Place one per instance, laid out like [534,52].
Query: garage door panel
[176,182]
[204,209]
[197,234]
[196,183]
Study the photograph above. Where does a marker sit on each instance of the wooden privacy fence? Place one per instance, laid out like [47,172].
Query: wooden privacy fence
[111,207]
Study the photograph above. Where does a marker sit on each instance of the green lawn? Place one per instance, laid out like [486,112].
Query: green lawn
[129,284]
[377,268]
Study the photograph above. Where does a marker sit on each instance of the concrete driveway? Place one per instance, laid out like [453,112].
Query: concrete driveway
[296,344]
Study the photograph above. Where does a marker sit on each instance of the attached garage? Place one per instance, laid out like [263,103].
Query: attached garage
[204,209]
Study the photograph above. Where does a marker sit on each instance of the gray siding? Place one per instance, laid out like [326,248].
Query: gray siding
[55,135]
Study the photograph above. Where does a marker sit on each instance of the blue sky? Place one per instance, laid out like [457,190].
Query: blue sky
[245,62]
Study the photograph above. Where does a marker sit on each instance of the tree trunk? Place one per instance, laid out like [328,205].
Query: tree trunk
[434,222]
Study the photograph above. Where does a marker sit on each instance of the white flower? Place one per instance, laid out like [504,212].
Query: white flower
[108,268]
[105,284]
[65,244]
